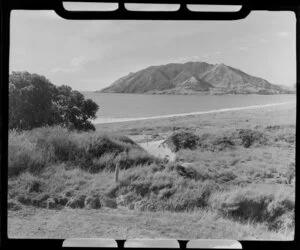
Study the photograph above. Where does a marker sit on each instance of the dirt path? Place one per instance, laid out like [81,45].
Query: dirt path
[158,149]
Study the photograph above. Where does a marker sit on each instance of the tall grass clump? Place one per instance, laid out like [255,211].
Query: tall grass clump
[58,144]
[22,155]
[256,203]
[33,150]
[158,189]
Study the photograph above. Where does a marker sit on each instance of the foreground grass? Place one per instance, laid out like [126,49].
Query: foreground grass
[233,180]
[123,224]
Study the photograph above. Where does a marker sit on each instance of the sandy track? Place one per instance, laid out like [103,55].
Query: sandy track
[156,148]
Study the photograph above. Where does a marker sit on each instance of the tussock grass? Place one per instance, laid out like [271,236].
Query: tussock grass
[164,189]
[33,150]
[22,155]
[267,203]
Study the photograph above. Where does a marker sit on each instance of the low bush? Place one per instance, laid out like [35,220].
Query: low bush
[216,142]
[250,137]
[182,140]
[255,203]
[221,143]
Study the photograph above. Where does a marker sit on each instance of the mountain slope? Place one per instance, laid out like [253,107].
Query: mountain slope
[192,77]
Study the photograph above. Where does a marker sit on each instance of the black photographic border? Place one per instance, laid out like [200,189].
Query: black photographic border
[122,14]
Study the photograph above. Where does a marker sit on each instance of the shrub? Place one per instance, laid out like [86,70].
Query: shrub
[219,142]
[182,140]
[250,137]
[34,102]
[222,143]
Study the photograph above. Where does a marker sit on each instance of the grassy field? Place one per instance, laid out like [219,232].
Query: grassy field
[251,118]
[232,177]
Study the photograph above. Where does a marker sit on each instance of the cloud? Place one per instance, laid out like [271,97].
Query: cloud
[283,33]
[189,59]
[76,65]
[93,80]
[64,70]
[243,48]
[216,52]
[77,61]
[262,40]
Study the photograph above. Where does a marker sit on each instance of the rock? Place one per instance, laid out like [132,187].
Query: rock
[67,194]
[139,205]
[61,200]
[128,198]
[131,206]
[13,205]
[111,203]
[76,202]
[120,200]
[50,202]
[40,200]
[92,203]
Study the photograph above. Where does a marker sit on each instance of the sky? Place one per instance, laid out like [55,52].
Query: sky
[90,55]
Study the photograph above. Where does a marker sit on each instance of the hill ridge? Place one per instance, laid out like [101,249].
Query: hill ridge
[191,78]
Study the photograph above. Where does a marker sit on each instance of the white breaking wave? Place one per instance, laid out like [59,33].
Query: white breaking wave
[117,120]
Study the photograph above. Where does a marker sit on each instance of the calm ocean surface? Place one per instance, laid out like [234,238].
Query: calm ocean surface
[123,107]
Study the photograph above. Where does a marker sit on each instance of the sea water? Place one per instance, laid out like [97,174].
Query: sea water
[127,107]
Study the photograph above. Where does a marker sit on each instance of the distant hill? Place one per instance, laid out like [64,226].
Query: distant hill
[192,78]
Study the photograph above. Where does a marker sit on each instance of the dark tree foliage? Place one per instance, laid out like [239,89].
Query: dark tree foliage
[34,102]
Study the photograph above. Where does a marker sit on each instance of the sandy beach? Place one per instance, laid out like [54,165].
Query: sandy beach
[118,120]
[245,117]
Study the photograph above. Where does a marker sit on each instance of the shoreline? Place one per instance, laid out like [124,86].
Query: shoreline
[121,120]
